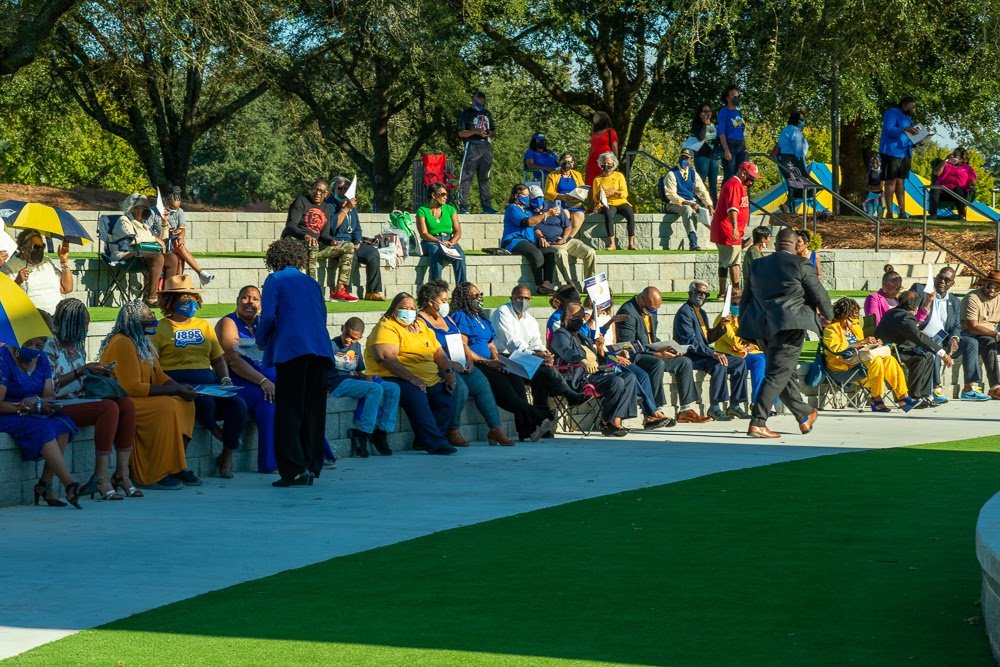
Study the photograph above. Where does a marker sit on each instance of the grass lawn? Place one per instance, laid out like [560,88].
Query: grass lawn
[861,558]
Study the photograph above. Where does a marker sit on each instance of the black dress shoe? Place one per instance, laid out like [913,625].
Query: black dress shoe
[611,430]
[443,450]
[359,442]
[302,479]
[665,422]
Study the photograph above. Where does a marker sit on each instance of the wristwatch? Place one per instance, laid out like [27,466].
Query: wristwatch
[38,405]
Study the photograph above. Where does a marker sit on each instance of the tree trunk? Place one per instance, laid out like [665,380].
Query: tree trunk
[381,174]
[855,152]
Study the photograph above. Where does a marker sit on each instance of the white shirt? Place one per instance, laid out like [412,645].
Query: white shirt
[42,285]
[938,317]
[516,333]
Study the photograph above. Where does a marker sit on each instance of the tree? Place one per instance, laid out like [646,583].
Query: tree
[382,79]
[27,27]
[160,74]
[610,55]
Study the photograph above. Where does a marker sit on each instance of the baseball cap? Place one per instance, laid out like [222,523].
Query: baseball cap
[535,191]
[687,152]
[750,168]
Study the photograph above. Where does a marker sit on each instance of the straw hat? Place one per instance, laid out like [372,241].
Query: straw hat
[179,285]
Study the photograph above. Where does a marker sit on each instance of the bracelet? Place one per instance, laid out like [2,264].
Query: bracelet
[262,381]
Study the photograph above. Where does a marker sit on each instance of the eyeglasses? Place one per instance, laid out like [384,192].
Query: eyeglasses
[320,191]
[698,291]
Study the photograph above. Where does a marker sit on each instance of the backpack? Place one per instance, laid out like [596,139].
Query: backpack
[401,223]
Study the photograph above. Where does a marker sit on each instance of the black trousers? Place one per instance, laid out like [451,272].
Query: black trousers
[369,256]
[509,392]
[781,377]
[939,197]
[654,367]
[549,382]
[626,212]
[618,394]
[919,371]
[300,415]
[541,261]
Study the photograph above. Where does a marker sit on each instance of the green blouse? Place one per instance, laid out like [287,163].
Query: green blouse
[437,226]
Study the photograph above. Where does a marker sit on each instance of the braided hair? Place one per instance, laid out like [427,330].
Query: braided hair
[70,322]
[129,324]
[462,301]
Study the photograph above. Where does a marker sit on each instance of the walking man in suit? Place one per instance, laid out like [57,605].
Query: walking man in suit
[780,300]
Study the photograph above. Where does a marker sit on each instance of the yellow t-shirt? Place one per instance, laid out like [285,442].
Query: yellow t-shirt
[189,346]
[616,181]
[416,350]
[729,342]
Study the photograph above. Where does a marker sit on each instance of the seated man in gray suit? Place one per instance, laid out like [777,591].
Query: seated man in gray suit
[639,324]
[940,317]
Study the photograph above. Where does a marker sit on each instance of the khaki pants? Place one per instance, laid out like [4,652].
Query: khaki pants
[338,264]
[578,250]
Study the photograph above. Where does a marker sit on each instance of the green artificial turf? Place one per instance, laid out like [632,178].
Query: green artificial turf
[860,558]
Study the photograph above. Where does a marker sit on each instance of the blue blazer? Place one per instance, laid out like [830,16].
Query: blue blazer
[687,331]
[292,318]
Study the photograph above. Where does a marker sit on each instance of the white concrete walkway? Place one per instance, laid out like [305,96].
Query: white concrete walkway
[64,570]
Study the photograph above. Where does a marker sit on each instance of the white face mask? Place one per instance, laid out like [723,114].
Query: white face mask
[444,309]
[406,317]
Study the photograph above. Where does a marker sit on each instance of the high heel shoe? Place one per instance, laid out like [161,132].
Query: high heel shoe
[40,495]
[110,494]
[496,436]
[129,491]
[455,438]
[90,487]
[359,442]
[73,495]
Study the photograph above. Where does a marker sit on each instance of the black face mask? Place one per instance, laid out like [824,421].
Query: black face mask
[36,255]
[574,325]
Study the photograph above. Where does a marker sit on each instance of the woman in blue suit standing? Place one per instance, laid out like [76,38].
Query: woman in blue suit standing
[292,333]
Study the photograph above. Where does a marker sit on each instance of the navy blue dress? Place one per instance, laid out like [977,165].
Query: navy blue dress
[30,432]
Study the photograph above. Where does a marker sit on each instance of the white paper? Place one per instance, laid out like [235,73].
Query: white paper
[352,189]
[693,144]
[599,290]
[582,192]
[217,390]
[456,349]
[6,242]
[602,321]
[728,302]
[921,134]
[159,202]
[523,364]
[929,285]
[74,401]
[668,345]
[450,252]
[603,197]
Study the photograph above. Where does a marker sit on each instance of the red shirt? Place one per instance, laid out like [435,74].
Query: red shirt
[733,195]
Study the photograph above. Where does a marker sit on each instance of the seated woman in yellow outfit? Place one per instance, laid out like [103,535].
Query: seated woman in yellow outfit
[844,333]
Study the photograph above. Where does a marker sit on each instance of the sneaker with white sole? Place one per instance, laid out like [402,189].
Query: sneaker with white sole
[205,277]
[975,393]
[342,295]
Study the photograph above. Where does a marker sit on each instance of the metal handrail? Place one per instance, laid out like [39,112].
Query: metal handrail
[837,197]
[963,200]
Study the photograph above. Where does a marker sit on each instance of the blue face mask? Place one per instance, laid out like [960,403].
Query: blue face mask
[683,164]
[186,308]
[524,200]
[149,328]
[734,311]
[538,203]
[28,354]
[651,311]
[802,124]
[478,107]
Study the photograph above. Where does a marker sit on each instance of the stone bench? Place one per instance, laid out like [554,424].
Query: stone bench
[988,553]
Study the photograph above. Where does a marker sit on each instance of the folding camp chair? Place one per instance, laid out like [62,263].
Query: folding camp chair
[800,188]
[842,389]
[583,418]
[121,271]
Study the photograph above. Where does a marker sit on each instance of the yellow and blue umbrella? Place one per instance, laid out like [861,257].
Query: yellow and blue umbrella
[48,220]
[19,319]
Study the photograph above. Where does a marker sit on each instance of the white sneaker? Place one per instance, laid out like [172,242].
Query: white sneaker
[206,277]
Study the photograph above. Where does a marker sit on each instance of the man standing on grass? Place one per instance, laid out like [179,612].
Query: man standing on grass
[730,221]
[779,303]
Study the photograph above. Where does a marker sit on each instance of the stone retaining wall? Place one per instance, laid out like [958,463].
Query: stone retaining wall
[988,553]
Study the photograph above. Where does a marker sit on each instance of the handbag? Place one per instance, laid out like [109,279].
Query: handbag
[148,246]
[100,386]
[866,354]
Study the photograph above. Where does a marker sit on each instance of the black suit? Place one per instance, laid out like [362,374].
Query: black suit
[634,329]
[780,299]
[916,349]
[968,346]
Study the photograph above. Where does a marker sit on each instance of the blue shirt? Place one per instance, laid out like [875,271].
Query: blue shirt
[548,159]
[894,141]
[791,141]
[442,334]
[731,124]
[478,329]
[292,318]
[515,229]
[350,228]
[18,383]
[552,228]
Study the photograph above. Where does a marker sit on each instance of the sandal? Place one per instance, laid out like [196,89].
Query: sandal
[109,494]
[878,405]
[130,491]
[224,473]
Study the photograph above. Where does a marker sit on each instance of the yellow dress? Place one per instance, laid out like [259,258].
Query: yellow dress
[161,422]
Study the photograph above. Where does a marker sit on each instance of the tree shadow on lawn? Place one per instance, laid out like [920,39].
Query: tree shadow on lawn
[864,557]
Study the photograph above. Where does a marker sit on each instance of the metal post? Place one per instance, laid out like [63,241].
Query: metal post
[924,233]
[835,133]
[996,252]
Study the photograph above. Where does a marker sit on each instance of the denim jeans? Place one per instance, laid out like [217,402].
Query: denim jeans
[476,385]
[379,403]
